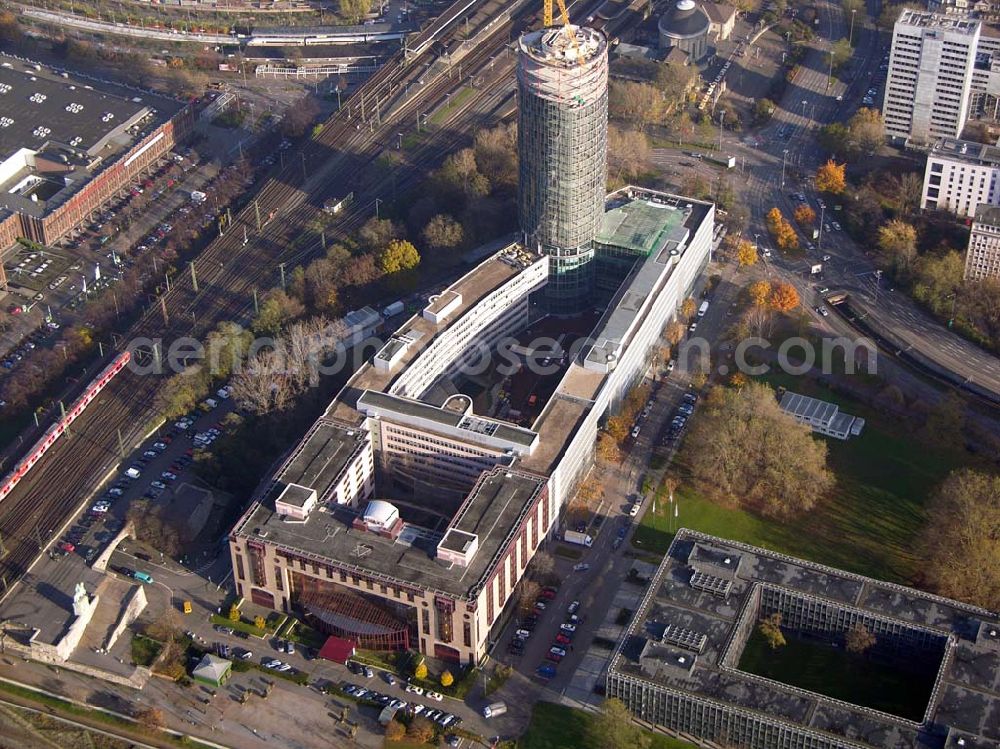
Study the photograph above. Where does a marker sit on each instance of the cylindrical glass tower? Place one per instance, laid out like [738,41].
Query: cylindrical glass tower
[562,136]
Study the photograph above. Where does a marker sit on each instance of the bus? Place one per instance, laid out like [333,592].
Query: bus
[143,577]
[703,309]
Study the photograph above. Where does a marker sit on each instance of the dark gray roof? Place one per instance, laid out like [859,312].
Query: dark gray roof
[966,699]
[45,106]
[494,510]
[319,458]
[470,427]
[685,18]
[987,215]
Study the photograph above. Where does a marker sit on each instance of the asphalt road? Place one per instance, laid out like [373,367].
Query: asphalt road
[808,105]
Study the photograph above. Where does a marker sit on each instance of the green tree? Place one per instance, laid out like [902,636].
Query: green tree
[938,280]
[945,424]
[613,728]
[770,628]
[398,256]
[961,542]
[898,241]
[745,450]
[836,139]
[376,233]
[276,310]
[763,110]
[182,392]
[639,104]
[460,174]
[443,232]
[226,348]
[354,11]
[867,130]
[842,53]
[673,80]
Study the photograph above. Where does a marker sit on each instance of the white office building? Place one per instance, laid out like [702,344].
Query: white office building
[982,260]
[930,78]
[960,176]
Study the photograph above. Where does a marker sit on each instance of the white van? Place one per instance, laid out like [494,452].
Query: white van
[492,711]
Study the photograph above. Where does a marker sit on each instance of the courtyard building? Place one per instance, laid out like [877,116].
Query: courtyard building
[408,514]
[923,671]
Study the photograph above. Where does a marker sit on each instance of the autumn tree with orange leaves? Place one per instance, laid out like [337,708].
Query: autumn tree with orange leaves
[759,292]
[782,231]
[831,177]
[784,297]
[805,215]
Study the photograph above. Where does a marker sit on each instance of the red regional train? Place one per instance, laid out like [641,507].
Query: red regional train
[55,431]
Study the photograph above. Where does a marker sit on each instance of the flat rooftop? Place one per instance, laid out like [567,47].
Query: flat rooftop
[319,459]
[987,215]
[966,151]
[563,46]
[926,20]
[468,426]
[641,225]
[967,700]
[492,511]
[419,332]
[805,407]
[46,105]
[671,221]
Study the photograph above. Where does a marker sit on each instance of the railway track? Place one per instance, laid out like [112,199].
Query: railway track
[228,271]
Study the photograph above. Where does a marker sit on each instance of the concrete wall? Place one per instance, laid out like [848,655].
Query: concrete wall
[135,606]
[101,563]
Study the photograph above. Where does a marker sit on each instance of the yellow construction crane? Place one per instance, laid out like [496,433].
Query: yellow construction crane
[547,21]
[547,13]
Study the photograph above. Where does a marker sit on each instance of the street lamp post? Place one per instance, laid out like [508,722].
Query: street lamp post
[853,11]
[377,201]
[722,117]
[784,156]
[822,213]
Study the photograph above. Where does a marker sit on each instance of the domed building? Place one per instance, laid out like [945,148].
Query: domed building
[685,26]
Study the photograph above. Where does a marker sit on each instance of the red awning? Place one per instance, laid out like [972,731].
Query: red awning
[338,649]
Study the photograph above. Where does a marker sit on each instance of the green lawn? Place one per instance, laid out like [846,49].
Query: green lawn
[239,626]
[560,727]
[867,525]
[145,650]
[901,689]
